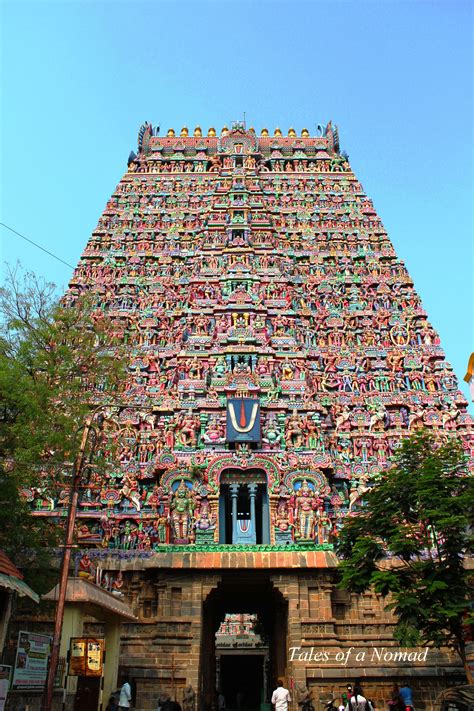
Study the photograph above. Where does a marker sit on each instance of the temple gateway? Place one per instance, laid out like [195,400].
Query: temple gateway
[278,353]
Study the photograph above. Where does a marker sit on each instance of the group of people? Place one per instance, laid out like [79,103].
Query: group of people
[123,700]
[401,699]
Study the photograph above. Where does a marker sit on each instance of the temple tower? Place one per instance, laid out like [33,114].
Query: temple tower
[278,354]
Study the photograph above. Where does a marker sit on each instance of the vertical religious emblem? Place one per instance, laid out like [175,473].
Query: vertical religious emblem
[243,420]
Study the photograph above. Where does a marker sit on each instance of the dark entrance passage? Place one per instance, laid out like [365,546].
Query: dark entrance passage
[87,694]
[241,678]
[255,670]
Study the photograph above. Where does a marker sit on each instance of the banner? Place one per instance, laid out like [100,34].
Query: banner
[243,420]
[31,663]
[5,672]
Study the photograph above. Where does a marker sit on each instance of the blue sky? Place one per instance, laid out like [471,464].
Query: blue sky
[78,79]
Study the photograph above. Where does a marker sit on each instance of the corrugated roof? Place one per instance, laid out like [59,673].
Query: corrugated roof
[11,582]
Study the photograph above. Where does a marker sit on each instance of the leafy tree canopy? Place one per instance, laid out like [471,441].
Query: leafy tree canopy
[56,359]
[412,540]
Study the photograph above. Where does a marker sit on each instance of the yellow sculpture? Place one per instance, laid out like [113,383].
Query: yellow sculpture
[171,133]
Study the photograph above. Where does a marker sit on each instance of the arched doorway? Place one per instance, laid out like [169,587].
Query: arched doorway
[238,669]
[244,516]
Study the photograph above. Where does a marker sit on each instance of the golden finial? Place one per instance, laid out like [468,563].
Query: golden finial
[277,132]
[292,132]
[264,132]
[251,129]
[184,131]
[224,131]
[305,133]
[211,132]
[198,132]
[171,133]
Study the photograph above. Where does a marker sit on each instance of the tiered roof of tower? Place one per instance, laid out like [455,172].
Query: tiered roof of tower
[253,265]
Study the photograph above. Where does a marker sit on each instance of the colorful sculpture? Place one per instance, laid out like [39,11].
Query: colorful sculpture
[238,265]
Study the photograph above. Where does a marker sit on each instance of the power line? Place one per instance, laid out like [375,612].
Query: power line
[2,224]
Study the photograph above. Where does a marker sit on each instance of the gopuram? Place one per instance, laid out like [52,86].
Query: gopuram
[278,354]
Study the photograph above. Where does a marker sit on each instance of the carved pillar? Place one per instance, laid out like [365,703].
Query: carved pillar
[234,492]
[253,493]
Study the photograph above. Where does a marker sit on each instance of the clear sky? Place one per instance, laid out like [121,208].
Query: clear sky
[78,79]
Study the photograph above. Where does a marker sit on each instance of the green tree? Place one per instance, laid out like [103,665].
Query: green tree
[411,541]
[56,360]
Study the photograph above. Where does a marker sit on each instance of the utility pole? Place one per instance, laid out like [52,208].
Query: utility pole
[66,559]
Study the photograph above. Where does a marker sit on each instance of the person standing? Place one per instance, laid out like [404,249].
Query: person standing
[395,703]
[357,701]
[281,697]
[406,695]
[125,700]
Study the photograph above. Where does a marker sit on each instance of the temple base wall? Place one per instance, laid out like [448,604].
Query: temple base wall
[316,635]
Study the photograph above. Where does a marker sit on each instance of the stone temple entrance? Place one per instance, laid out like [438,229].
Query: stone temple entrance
[245,673]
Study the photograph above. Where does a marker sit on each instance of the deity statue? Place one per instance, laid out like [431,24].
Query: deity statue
[282,515]
[324,527]
[130,490]
[117,585]
[271,433]
[189,699]
[188,428]
[294,436]
[358,491]
[160,527]
[182,508]
[220,367]
[287,370]
[305,505]
[214,432]
[204,521]
[302,694]
[86,569]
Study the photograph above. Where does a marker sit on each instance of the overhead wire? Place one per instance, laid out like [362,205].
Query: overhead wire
[43,249]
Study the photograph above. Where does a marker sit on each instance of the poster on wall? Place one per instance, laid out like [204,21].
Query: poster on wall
[77,657]
[5,673]
[31,663]
[86,656]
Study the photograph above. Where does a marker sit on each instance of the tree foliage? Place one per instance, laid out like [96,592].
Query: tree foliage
[56,359]
[411,541]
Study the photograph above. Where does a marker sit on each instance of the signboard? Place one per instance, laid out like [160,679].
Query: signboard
[243,420]
[5,672]
[31,663]
[86,656]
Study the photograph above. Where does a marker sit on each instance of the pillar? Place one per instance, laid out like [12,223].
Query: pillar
[112,649]
[253,493]
[234,492]
[73,626]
